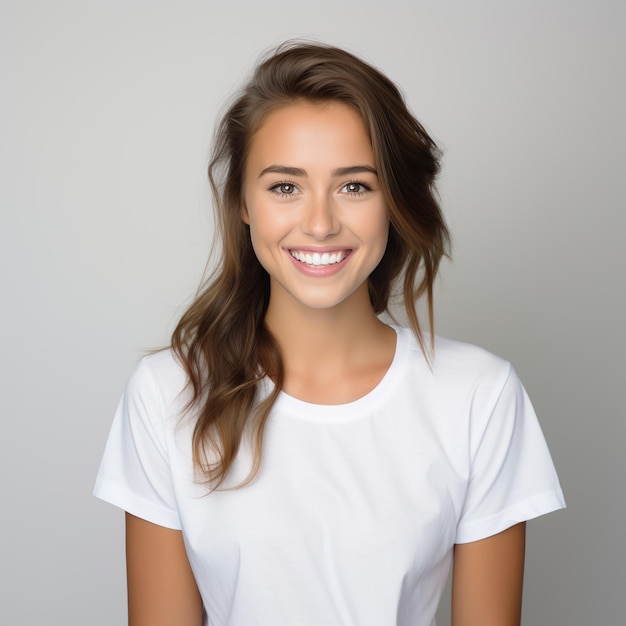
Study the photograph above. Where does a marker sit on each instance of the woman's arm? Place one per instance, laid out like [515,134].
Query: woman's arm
[487,580]
[161,588]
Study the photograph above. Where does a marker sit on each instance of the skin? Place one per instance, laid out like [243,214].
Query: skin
[487,580]
[311,184]
[161,588]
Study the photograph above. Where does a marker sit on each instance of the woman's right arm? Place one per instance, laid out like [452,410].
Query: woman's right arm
[162,590]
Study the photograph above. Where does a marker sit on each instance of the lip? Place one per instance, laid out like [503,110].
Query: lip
[319,271]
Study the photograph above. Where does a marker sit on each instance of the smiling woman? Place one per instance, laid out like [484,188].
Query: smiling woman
[322,212]
[292,459]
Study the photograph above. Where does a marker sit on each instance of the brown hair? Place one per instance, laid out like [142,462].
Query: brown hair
[221,340]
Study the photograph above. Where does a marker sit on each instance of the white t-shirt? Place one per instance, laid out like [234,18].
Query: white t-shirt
[352,518]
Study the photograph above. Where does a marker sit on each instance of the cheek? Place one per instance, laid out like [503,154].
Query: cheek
[257,237]
[381,236]
[261,251]
[266,234]
[379,228]
[267,222]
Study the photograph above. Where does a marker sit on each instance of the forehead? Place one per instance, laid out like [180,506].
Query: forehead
[310,132]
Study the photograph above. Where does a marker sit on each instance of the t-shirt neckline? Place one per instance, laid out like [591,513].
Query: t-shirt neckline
[293,407]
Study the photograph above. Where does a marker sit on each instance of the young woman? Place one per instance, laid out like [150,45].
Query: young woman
[292,459]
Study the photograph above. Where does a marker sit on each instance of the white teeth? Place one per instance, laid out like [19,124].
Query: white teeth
[316,259]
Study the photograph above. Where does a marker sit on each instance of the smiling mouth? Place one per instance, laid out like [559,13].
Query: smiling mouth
[316,259]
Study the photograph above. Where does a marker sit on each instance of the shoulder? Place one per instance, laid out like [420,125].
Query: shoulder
[158,376]
[460,379]
[455,362]
[459,359]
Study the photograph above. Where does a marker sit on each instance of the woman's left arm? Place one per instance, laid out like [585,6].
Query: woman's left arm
[487,580]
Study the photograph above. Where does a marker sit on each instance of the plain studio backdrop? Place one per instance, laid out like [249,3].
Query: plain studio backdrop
[107,115]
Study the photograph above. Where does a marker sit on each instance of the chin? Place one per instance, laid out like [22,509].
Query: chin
[325,301]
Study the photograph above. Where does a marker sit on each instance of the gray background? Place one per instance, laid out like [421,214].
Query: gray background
[107,113]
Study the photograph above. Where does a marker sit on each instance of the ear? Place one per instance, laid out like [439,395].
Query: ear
[244,214]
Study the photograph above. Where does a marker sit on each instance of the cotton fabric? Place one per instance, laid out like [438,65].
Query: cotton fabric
[352,518]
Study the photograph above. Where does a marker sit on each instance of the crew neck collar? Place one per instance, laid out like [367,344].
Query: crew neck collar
[292,407]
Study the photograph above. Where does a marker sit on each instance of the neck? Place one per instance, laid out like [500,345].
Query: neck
[330,339]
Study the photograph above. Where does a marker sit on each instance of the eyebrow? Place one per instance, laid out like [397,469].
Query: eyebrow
[298,171]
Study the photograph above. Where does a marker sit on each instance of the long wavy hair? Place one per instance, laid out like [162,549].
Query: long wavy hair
[221,340]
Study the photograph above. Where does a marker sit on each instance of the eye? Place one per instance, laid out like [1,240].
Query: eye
[355,188]
[283,189]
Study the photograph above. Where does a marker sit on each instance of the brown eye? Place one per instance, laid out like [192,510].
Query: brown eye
[283,189]
[355,188]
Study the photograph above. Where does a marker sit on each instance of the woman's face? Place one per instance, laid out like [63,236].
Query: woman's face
[317,218]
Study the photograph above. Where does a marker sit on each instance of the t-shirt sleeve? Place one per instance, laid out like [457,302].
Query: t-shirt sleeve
[512,477]
[135,472]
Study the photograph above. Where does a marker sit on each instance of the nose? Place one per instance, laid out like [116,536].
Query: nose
[319,218]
